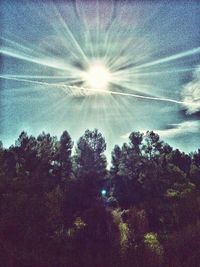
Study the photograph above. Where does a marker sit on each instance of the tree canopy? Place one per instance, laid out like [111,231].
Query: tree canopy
[53,212]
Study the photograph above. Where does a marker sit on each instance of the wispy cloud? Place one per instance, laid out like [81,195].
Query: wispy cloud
[180,129]
[175,129]
[191,93]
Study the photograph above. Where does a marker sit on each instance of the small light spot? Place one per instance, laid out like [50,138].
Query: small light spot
[103,192]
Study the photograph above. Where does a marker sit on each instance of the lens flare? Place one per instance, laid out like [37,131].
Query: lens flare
[97,76]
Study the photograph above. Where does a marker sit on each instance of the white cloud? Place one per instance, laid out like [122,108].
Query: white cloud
[125,136]
[180,129]
[175,130]
[191,93]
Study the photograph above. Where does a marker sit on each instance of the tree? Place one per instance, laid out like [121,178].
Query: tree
[47,149]
[180,159]
[152,145]
[90,168]
[26,152]
[136,139]
[115,160]
[127,161]
[52,213]
[196,158]
[90,158]
[63,156]
[195,175]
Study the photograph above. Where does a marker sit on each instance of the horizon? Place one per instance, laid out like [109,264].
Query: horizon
[108,150]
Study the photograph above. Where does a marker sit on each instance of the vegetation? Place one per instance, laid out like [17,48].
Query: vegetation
[53,212]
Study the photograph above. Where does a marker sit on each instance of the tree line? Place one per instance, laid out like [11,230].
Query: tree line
[59,209]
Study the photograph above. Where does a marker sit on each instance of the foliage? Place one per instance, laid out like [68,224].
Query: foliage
[52,212]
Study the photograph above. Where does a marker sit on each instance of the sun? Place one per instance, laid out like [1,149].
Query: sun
[97,77]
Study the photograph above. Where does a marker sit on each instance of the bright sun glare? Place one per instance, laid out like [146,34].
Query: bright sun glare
[97,77]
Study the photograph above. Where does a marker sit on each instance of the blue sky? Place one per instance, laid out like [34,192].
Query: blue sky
[150,52]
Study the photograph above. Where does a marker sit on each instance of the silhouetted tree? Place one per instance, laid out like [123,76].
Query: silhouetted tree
[90,156]
[152,145]
[52,212]
[115,160]
[63,162]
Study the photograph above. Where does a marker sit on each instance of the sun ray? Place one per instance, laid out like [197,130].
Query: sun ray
[67,32]
[188,53]
[44,62]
